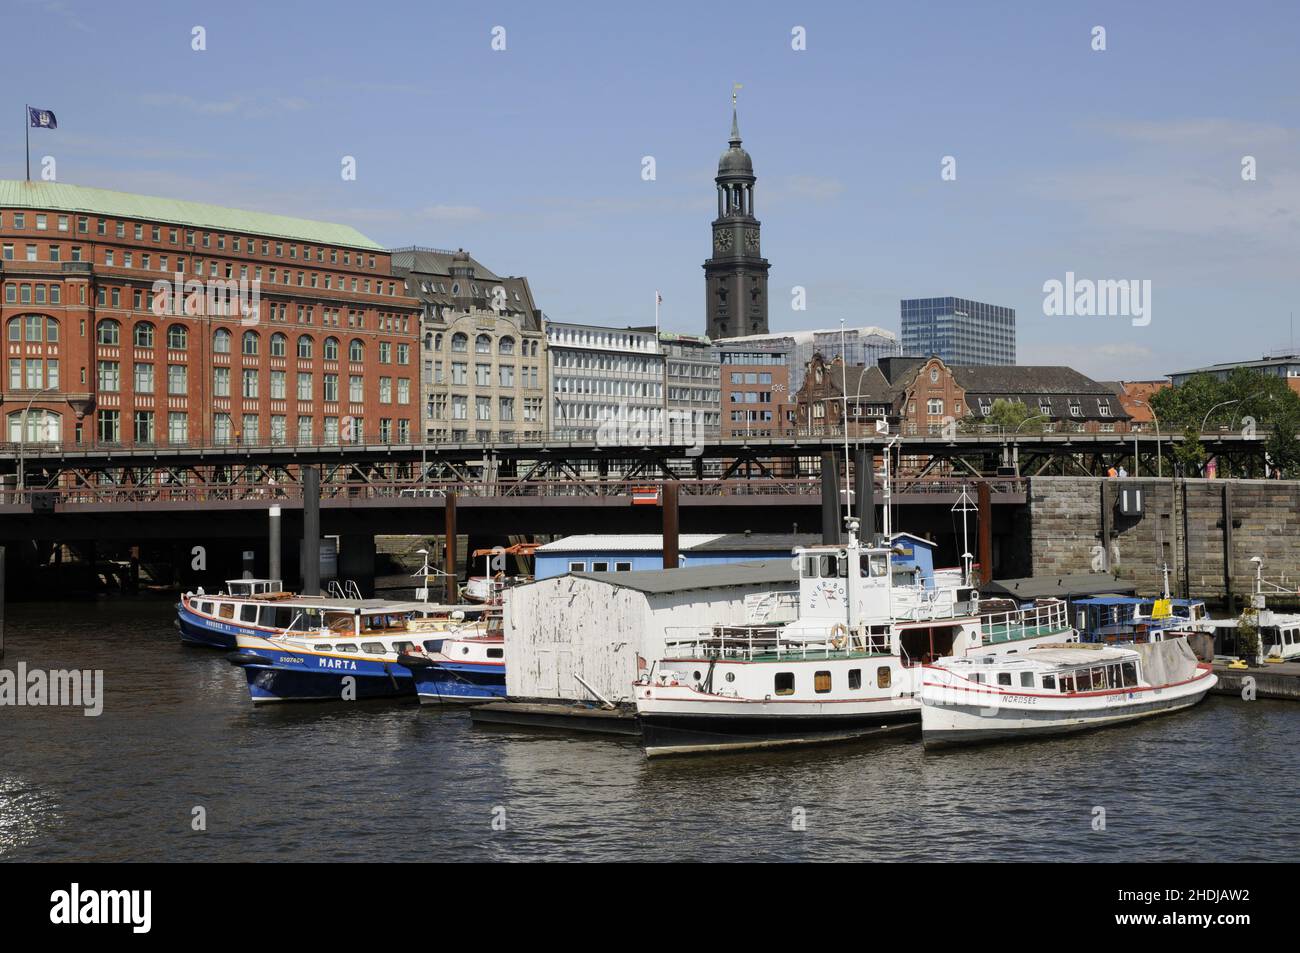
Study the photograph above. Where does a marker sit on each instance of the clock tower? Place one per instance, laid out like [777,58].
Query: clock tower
[735,276]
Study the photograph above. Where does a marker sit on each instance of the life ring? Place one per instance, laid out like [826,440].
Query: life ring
[839,636]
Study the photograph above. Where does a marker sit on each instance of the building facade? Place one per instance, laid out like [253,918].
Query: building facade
[692,381]
[139,321]
[483,372]
[865,346]
[958,330]
[821,407]
[735,276]
[1285,365]
[607,384]
[756,396]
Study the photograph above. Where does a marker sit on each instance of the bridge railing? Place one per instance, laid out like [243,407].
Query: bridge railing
[169,490]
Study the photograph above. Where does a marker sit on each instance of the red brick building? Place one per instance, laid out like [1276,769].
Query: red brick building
[131,320]
[755,387]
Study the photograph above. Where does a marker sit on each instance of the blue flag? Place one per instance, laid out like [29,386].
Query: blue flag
[42,118]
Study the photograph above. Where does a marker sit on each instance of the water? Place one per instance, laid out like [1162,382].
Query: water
[383,781]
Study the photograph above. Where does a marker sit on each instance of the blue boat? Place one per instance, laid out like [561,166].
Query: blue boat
[1108,619]
[458,670]
[246,607]
[353,656]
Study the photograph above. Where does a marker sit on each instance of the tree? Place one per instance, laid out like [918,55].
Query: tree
[1009,416]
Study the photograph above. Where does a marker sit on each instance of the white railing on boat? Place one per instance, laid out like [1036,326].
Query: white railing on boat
[744,642]
[1022,623]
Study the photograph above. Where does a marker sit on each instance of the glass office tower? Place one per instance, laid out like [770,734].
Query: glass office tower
[958,330]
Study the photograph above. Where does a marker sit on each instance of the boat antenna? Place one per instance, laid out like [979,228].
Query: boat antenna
[844,420]
[963,506]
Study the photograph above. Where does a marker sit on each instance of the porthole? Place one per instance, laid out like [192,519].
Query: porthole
[731,676]
[696,676]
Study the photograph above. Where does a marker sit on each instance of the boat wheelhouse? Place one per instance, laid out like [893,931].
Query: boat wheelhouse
[1057,689]
[1111,619]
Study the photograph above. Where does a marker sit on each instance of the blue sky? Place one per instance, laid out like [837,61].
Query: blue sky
[1117,164]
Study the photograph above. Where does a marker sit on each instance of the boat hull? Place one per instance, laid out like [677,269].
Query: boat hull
[450,684]
[197,630]
[946,725]
[673,734]
[284,675]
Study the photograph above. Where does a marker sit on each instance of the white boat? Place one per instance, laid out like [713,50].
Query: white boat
[1056,689]
[848,667]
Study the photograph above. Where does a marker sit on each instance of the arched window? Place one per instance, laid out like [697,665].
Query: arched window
[533,350]
[43,426]
[279,344]
[356,350]
[483,344]
[428,340]
[51,331]
[108,332]
[34,328]
[331,351]
[221,341]
[437,341]
[249,343]
[305,347]
[144,334]
[178,337]
[506,345]
[459,342]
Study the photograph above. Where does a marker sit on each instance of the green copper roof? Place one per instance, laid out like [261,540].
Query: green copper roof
[55,196]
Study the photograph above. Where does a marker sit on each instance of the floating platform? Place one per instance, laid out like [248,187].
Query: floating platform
[1277,680]
[567,717]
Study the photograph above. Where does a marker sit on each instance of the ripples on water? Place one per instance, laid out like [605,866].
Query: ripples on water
[381,781]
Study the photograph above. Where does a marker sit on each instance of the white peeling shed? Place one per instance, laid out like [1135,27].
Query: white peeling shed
[596,624]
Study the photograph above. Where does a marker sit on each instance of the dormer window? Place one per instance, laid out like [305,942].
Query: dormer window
[1103,408]
[1076,408]
[986,406]
[1044,406]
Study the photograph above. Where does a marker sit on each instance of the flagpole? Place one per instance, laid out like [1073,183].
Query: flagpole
[27,138]
[656,316]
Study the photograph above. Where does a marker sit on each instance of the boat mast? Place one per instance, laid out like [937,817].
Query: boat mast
[965,505]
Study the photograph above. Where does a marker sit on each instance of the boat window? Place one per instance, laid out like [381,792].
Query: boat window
[1083,679]
[1067,683]
[400,647]
[1113,676]
[345,647]
[226,610]
[374,648]
[1026,679]
[1049,682]
[822,682]
[1004,678]
[248,613]
[826,567]
[496,653]
[266,617]
[977,677]
[855,679]
[433,645]
[883,676]
[1130,673]
[322,647]
[1099,678]
[206,608]
[784,684]
[810,567]
[841,566]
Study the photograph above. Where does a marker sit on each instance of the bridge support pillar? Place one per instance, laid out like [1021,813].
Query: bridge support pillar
[830,500]
[672,526]
[357,560]
[310,531]
[864,491]
[449,553]
[985,502]
[273,553]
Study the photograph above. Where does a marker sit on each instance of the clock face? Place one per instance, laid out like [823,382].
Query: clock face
[722,240]
[751,239]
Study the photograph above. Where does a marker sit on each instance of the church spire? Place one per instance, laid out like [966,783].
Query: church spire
[735,122]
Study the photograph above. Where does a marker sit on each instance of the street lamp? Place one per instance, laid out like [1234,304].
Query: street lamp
[1222,403]
[22,437]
